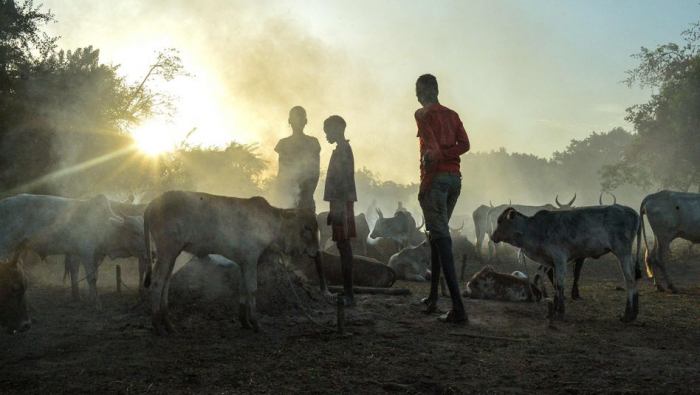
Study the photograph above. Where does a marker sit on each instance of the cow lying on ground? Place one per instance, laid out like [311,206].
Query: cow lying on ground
[367,272]
[13,307]
[489,284]
[412,263]
[241,230]
[401,228]
[50,225]
[671,215]
[554,238]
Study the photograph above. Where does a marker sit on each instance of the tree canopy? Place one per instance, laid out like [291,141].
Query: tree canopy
[665,151]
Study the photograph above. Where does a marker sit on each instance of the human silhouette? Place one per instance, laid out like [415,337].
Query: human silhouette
[299,164]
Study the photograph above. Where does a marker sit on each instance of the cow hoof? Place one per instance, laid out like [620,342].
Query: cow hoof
[659,288]
[627,318]
[430,305]
[575,297]
[674,290]
[159,328]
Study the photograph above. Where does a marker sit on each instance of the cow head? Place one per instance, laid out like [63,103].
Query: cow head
[456,232]
[480,284]
[299,233]
[509,226]
[567,206]
[126,239]
[13,308]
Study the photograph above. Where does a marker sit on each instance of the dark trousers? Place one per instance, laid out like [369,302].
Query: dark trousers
[437,203]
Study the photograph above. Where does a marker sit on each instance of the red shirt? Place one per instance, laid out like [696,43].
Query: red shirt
[442,140]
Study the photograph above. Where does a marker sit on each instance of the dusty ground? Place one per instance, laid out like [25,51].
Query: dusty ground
[395,348]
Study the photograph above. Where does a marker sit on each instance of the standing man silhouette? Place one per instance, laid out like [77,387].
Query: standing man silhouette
[442,140]
[341,194]
[299,164]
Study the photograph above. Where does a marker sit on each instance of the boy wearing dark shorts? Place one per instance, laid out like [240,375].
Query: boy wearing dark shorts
[340,193]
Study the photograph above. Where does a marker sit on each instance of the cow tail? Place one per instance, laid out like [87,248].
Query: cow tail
[147,242]
[637,272]
[644,235]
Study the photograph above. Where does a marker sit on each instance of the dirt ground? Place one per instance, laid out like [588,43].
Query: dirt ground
[394,348]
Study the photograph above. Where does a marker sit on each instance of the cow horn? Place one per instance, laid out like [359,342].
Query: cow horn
[600,199]
[491,204]
[510,202]
[460,228]
[379,213]
[572,201]
[614,198]
[556,200]
[422,223]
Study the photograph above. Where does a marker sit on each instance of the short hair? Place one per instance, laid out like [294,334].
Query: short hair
[428,81]
[297,109]
[334,120]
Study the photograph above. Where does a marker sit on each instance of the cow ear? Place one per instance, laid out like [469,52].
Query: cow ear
[511,214]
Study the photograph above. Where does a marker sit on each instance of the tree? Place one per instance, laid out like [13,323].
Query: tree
[666,149]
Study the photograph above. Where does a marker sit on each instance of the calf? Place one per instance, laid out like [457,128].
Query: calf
[553,238]
[412,263]
[489,284]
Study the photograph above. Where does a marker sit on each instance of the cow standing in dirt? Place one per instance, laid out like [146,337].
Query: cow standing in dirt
[554,238]
[241,230]
[671,215]
[132,213]
[50,225]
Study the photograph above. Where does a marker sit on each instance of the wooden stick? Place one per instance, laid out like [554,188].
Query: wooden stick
[510,339]
[372,290]
[119,279]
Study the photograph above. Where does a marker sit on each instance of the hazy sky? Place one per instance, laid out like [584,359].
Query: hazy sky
[525,75]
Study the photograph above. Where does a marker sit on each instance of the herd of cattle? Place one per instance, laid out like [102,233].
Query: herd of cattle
[249,231]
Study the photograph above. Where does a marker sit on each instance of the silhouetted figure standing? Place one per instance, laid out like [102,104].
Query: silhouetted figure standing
[299,164]
[340,192]
[442,140]
[401,208]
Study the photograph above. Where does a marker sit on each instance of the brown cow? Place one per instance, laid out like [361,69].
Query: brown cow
[489,284]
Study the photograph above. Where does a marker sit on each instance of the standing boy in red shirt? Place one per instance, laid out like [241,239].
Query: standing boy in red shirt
[340,192]
[442,140]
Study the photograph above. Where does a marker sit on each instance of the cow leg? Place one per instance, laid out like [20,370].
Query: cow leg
[72,264]
[479,241]
[559,287]
[539,280]
[243,301]
[250,273]
[632,306]
[90,265]
[578,264]
[143,266]
[162,271]
[663,252]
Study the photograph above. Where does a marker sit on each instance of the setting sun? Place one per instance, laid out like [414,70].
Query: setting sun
[154,138]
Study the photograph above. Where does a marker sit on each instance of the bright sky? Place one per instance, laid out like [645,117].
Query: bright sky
[525,75]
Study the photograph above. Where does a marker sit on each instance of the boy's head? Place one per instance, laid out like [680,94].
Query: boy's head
[427,89]
[297,117]
[334,127]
